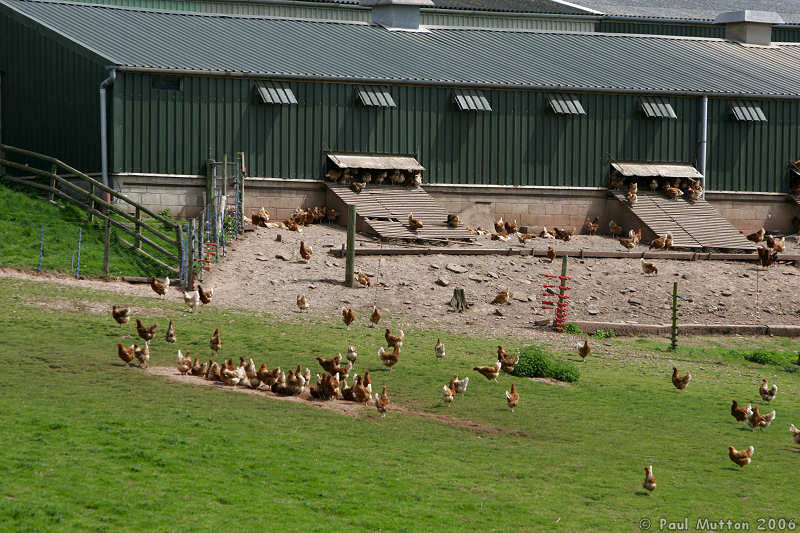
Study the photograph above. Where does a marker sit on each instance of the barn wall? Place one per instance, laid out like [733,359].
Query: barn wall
[752,156]
[660,28]
[521,142]
[50,94]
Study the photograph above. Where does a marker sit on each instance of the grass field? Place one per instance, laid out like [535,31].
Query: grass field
[89,444]
[21,218]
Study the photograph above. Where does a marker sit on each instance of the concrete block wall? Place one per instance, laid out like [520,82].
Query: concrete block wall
[532,206]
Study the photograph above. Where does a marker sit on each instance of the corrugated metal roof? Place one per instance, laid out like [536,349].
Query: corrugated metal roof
[747,112]
[471,100]
[511,6]
[698,10]
[663,170]
[562,104]
[375,97]
[275,93]
[657,107]
[281,48]
[375,162]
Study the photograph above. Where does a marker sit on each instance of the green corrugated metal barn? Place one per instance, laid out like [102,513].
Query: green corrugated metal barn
[185,88]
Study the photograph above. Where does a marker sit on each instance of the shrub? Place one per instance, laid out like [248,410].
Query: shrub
[762,357]
[536,363]
[572,328]
[604,333]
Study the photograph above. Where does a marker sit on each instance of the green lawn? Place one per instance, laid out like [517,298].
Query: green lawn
[88,444]
[21,219]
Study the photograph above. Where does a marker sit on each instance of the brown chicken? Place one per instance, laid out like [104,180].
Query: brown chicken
[212,371]
[649,479]
[205,295]
[780,245]
[348,316]
[563,234]
[668,241]
[302,302]
[628,242]
[512,398]
[673,192]
[121,314]
[389,359]
[489,372]
[382,402]
[592,225]
[615,229]
[330,365]
[393,340]
[511,227]
[448,393]
[741,457]
[501,298]
[453,221]
[361,393]
[215,343]
[261,218]
[507,363]
[767,393]
[583,349]
[765,257]
[268,377]
[142,354]
[171,335]
[363,279]
[756,237]
[146,333]
[648,267]
[198,368]
[551,253]
[126,354]
[500,226]
[739,413]
[680,382]
[357,186]
[658,243]
[366,380]
[305,251]
[414,224]
[757,420]
[375,317]
[158,287]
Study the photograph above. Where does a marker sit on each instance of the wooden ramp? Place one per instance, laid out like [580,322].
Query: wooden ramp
[693,224]
[384,210]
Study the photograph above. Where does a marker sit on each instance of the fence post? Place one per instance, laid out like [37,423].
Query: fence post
[351,245]
[179,238]
[107,244]
[41,245]
[561,313]
[53,172]
[91,203]
[674,344]
[138,229]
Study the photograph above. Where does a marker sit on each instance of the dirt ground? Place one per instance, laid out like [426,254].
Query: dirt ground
[416,289]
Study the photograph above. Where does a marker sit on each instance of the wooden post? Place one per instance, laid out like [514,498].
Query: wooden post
[53,172]
[674,344]
[459,300]
[211,196]
[190,254]
[179,237]
[138,224]
[107,244]
[351,245]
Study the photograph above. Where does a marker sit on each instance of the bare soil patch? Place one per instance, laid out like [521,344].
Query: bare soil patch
[338,406]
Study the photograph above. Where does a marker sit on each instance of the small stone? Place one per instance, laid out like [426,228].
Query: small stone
[634,301]
[444,282]
[685,276]
[476,278]
[278,238]
[498,312]
[458,269]
[745,275]
[262,259]
[521,298]
[312,286]
[592,311]
[284,257]
[726,293]
[788,273]
[435,267]
[493,275]
[407,302]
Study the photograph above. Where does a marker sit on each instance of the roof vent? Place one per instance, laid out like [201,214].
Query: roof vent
[749,27]
[398,15]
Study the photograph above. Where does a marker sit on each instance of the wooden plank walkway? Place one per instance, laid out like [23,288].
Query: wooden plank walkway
[693,224]
[385,209]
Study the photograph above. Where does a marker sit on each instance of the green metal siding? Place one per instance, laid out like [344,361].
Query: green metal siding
[786,35]
[51,95]
[521,142]
[752,156]
[504,21]
[660,28]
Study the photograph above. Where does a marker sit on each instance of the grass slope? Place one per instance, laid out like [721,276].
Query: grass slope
[89,444]
[20,218]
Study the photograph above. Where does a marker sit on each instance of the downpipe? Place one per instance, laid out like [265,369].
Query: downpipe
[109,81]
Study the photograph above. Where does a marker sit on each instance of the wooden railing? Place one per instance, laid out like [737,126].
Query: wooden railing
[104,206]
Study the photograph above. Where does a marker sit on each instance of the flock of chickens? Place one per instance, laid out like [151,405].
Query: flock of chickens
[359,178]
[671,187]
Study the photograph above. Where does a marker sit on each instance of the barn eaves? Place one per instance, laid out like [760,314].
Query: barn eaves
[747,112]
[375,97]
[657,107]
[471,100]
[272,92]
[563,104]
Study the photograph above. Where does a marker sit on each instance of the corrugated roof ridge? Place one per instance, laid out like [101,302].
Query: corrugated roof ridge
[186,13]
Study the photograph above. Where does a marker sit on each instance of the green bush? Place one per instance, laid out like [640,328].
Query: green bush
[536,363]
[572,328]
[762,357]
[604,333]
